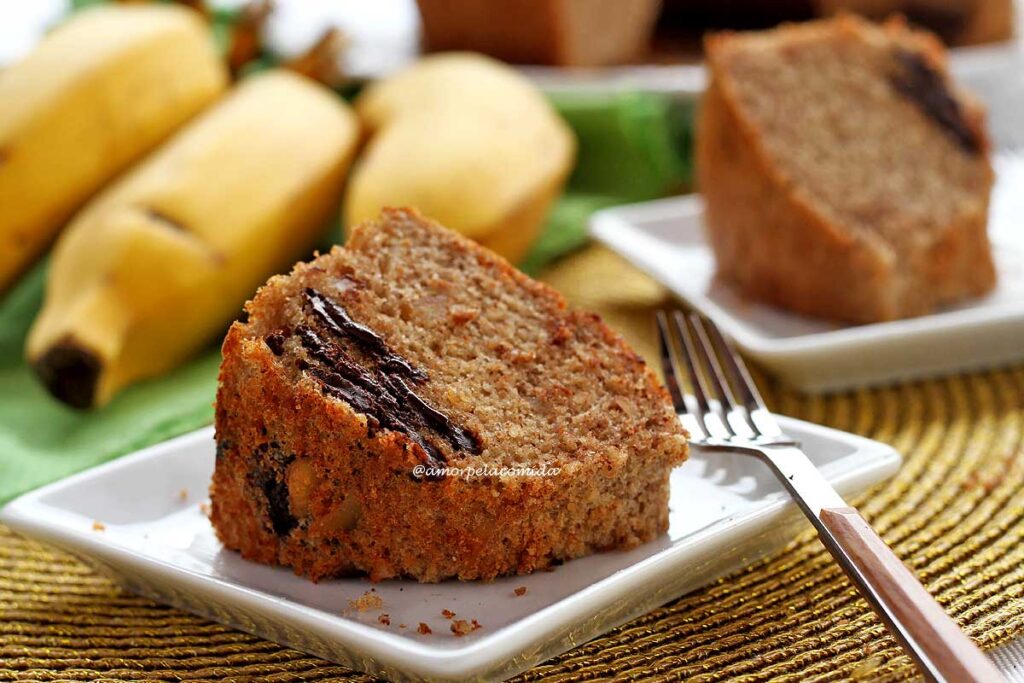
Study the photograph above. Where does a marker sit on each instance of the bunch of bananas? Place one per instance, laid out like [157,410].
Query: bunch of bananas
[97,94]
[176,195]
[162,259]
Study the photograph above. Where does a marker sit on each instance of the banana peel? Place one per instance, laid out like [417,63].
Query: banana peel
[467,141]
[160,262]
[96,94]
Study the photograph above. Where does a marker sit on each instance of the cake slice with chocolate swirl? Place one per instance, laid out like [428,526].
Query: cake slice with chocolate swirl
[845,175]
[411,405]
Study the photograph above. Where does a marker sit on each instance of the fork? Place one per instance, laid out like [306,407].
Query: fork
[725,413]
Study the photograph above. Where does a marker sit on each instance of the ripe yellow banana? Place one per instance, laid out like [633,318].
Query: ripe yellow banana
[96,94]
[467,141]
[160,262]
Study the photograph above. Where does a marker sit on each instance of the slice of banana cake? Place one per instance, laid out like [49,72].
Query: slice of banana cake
[411,405]
[845,175]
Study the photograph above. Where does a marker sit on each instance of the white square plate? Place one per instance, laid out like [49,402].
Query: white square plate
[726,511]
[665,238]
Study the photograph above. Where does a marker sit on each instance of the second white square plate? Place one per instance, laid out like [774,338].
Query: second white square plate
[725,512]
[665,238]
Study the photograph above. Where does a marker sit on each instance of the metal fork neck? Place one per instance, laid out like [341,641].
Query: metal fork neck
[791,466]
[747,445]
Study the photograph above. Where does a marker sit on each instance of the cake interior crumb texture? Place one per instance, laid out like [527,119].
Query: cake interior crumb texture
[846,174]
[414,346]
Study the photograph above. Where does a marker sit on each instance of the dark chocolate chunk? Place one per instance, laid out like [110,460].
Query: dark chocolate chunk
[337,320]
[223,446]
[380,392]
[333,356]
[916,80]
[275,342]
[347,390]
[278,507]
[268,477]
[341,377]
[460,438]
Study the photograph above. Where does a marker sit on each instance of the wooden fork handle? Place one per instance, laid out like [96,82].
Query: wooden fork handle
[944,652]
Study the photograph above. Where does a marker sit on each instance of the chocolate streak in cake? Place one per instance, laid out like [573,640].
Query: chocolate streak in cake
[383,392]
[924,86]
[337,320]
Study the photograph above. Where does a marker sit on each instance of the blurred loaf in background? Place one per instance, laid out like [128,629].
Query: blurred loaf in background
[558,32]
[607,32]
[845,174]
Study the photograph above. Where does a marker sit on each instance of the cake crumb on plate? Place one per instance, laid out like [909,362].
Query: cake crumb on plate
[461,627]
[366,602]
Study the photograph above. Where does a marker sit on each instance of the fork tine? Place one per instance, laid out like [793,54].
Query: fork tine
[744,383]
[710,356]
[668,364]
[736,414]
[694,353]
[690,353]
[670,369]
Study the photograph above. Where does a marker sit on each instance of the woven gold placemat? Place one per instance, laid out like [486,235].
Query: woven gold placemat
[955,513]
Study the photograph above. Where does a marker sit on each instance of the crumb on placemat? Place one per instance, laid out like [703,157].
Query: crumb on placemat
[447,613]
[424,629]
[99,526]
[183,495]
[520,592]
[384,619]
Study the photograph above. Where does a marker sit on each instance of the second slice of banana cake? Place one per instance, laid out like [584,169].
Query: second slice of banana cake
[361,376]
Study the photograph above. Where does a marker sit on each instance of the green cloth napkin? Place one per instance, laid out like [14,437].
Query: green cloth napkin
[42,440]
[637,143]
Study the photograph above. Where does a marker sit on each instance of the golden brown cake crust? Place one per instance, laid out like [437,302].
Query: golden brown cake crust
[304,480]
[778,240]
